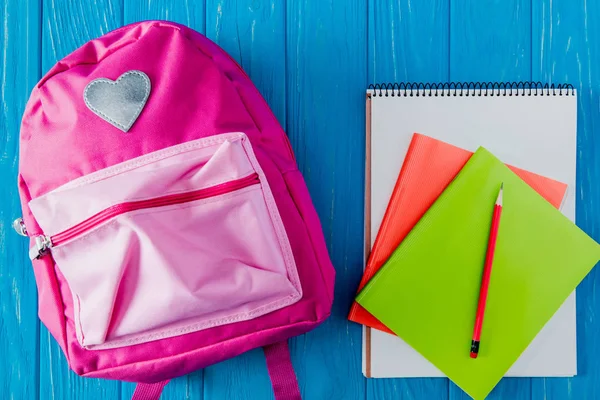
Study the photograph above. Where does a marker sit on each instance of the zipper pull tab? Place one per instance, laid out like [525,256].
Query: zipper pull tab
[41,247]
[19,226]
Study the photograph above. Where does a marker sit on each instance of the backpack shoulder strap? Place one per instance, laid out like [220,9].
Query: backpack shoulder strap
[149,391]
[279,365]
[281,371]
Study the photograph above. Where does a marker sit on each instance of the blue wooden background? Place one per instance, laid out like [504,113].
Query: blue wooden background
[312,60]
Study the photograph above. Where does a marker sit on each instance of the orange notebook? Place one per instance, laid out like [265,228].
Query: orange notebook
[429,166]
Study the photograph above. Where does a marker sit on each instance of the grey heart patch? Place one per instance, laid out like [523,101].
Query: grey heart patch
[118,102]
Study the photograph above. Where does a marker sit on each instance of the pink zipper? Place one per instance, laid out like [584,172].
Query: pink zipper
[168,200]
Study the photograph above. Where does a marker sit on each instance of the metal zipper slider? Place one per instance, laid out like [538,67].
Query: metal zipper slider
[41,247]
[19,226]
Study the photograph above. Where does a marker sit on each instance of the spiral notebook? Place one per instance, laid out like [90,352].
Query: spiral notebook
[527,125]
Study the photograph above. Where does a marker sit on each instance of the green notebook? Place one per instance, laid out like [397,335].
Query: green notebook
[427,291]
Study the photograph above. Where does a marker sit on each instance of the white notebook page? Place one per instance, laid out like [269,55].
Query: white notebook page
[536,133]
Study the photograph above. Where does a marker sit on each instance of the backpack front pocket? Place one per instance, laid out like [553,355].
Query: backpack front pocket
[173,242]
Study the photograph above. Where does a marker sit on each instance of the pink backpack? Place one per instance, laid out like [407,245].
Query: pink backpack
[170,227]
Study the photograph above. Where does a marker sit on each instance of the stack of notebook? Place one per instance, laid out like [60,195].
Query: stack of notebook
[430,198]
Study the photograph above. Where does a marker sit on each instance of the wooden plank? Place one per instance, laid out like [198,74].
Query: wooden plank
[491,41]
[566,49]
[326,77]
[189,13]
[408,41]
[19,325]
[253,33]
[242,377]
[67,25]
[188,387]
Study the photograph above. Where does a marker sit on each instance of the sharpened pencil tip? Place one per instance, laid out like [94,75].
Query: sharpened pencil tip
[499,199]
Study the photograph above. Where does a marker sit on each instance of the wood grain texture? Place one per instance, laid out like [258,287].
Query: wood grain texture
[66,25]
[408,42]
[186,12]
[326,80]
[566,49]
[19,327]
[312,61]
[188,387]
[253,33]
[491,41]
[244,377]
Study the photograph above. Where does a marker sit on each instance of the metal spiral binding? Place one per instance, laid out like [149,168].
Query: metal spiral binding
[413,89]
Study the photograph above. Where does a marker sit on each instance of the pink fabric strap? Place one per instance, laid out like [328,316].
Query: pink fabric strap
[149,391]
[281,371]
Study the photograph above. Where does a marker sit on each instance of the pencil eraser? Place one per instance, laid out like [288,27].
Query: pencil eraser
[473,355]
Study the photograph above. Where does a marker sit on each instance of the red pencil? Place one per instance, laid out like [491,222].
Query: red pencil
[487,271]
